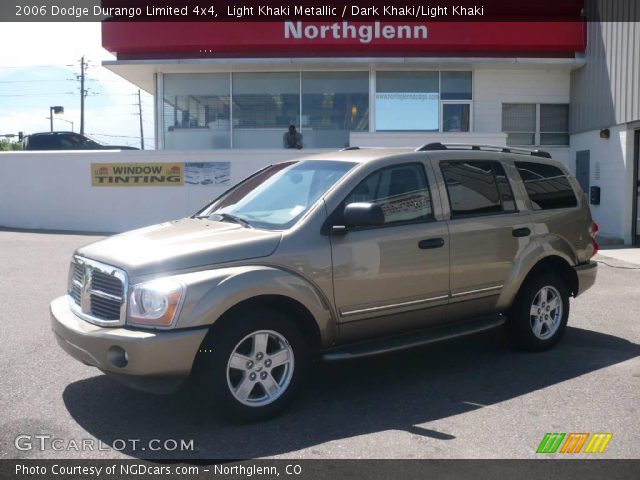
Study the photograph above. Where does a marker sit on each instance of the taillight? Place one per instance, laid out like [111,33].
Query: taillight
[594,231]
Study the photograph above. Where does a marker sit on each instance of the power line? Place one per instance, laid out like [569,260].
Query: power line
[38,81]
[36,94]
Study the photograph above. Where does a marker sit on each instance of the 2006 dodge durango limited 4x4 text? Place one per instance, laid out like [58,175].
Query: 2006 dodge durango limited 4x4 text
[340,255]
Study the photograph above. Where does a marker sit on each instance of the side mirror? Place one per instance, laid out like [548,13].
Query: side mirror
[363,215]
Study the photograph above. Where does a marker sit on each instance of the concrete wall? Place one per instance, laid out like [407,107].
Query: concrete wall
[52,190]
[611,168]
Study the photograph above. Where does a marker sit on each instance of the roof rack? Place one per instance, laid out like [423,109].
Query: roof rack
[488,148]
[345,149]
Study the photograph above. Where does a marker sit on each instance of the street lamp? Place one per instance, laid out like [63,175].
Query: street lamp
[68,121]
[52,110]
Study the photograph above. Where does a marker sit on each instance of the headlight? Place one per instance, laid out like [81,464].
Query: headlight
[155,303]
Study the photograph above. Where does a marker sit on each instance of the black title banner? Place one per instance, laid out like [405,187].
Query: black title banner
[320,469]
[327,10]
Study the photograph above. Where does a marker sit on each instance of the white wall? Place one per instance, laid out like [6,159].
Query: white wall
[52,190]
[611,168]
[493,87]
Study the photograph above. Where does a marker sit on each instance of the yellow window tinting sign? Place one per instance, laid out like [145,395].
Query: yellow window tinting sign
[137,174]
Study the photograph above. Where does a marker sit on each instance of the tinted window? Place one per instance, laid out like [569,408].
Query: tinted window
[477,188]
[44,142]
[547,186]
[402,192]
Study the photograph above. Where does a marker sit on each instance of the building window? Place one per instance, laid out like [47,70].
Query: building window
[407,101]
[264,105]
[423,101]
[554,124]
[455,85]
[456,117]
[536,124]
[333,104]
[196,111]
[519,123]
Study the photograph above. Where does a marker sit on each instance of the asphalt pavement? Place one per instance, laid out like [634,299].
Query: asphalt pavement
[468,398]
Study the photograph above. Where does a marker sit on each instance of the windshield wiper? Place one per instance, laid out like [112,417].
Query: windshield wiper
[233,218]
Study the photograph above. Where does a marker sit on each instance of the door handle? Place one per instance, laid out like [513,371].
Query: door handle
[521,232]
[431,243]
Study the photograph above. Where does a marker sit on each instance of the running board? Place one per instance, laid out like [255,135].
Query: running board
[412,339]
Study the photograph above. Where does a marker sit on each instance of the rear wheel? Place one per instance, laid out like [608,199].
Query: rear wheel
[253,364]
[538,318]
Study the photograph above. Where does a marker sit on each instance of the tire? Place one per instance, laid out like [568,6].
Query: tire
[236,369]
[536,323]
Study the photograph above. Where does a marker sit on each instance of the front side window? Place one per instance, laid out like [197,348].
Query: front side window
[402,192]
[278,196]
[547,186]
[477,188]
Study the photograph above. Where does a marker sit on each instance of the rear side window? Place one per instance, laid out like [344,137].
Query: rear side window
[547,186]
[402,192]
[477,188]
[44,142]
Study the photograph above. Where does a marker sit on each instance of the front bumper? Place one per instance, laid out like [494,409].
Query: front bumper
[157,361]
[586,276]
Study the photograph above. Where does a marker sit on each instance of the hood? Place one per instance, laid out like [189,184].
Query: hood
[181,244]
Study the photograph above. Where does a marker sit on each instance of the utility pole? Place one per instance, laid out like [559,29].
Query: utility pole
[83,93]
[141,128]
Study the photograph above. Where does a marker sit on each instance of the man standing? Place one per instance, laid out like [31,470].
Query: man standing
[292,139]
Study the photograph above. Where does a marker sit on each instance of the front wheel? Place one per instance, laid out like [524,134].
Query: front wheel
[252,365]
[538,318]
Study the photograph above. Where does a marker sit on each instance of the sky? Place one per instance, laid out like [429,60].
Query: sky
[39,63]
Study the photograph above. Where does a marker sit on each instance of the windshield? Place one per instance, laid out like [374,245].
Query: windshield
[276,197]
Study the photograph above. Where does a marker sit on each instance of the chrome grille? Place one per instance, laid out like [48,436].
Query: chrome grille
[77,280]
[98,292]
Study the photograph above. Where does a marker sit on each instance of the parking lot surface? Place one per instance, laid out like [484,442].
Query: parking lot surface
[468,398]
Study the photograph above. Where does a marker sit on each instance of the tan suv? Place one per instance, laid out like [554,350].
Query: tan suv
[340,255]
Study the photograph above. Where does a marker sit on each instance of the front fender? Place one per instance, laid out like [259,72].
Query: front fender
[211,293]
[550,246]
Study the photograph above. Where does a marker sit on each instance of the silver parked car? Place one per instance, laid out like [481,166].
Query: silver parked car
[339,255]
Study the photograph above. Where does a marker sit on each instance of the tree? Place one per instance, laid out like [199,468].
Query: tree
[7,146]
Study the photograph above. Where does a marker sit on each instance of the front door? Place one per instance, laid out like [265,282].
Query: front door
[394,277]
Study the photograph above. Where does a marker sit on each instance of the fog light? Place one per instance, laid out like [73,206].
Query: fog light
[117,357]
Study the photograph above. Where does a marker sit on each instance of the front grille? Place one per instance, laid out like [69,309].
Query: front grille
[106,283]
[104,308]
[77,280]
[98,291]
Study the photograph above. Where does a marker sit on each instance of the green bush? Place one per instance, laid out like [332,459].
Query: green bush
[6,145]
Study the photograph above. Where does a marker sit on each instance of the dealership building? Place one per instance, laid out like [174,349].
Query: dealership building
[225,94]
[232,90]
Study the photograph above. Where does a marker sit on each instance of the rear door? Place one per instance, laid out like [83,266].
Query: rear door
[486,233]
